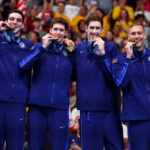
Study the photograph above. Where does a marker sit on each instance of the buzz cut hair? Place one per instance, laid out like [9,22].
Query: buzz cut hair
[135,24]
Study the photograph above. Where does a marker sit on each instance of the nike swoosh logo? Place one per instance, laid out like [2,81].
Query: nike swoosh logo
[81,52]
[4,42]
[61,127]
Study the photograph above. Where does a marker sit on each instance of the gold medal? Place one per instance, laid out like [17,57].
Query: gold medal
[70,48]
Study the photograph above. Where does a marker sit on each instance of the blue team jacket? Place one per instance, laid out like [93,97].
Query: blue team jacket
[14,83]
[95,87]
[51,76]
[132,75]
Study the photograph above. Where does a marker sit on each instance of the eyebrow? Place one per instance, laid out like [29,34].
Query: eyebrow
[96,27]
[18,19]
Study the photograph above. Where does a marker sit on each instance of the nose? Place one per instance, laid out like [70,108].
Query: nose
[94,30]
[15,21]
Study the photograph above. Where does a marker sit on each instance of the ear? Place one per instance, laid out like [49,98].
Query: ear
[66,32]
[50,30]
[22,26]
[102,30]
[86,28]
[144,36]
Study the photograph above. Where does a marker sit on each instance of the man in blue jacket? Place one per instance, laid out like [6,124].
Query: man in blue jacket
[49,97]
[14,83]
[96,91]
[131,72]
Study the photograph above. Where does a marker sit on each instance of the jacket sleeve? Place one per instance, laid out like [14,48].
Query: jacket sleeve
[32,57]
[120,71]
[111,55]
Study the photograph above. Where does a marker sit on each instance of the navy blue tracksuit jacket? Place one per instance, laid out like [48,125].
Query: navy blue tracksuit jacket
[95,87]
[51,77]
[132,75]
[14,82]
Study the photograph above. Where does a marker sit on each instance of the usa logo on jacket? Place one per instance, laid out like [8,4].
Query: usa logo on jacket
[22,45]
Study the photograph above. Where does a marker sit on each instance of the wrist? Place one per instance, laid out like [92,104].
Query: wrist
[129,56]
[100,51]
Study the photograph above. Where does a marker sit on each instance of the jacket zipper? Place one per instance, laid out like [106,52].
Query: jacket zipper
[13,79]
[147,86]
[54,82]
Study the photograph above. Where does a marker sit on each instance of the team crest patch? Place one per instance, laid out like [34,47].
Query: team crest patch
[114,60]
[149,58]
[22,45]
[65,53]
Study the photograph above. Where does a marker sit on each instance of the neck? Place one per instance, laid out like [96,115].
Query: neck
[140,49]
[16,34]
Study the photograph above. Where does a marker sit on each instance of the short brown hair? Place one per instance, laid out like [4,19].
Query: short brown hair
[94,18]
[136,24]
[61,21]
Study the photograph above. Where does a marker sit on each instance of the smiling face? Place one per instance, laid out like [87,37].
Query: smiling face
[59,30]
[15,20]
[137,32]
[94,29]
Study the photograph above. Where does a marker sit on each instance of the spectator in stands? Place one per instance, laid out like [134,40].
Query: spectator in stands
[73,97]
[74,142]
[46,14]
[38,27]
[30,19]
[146,8]
[75,20]
[7,7]
[81,28]
[61,8]
[34,37]
[105,5]
[122,5]
[109,37]
[124,23]
[117,39]
[71,9]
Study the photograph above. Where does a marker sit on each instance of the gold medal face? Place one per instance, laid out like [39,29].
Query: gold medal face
[70,48]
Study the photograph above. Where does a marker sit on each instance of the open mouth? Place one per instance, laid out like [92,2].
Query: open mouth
[56,37]
[134,41]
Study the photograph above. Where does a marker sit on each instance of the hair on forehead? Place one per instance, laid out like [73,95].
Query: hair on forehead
[94,18]
[61,21]
[18,12]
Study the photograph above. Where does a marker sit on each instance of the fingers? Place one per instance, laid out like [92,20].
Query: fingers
[48,37]
[71,43]
[68,42]
[4,26]
[98,41]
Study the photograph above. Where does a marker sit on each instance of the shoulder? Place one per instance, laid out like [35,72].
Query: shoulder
[27,42]
[2,36]
[109,47]
[81,46]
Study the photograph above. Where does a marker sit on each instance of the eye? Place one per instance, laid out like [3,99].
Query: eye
[11,18]
[61,30]
[55,29]
[19,20]
[139,33]
[91,27]
[133,33]
[97,28]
